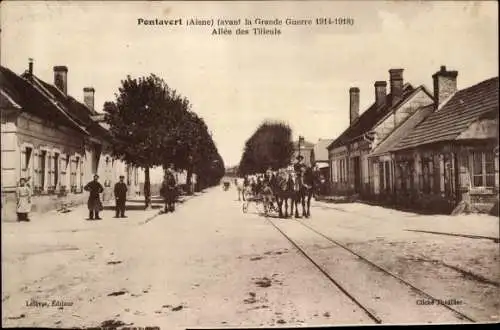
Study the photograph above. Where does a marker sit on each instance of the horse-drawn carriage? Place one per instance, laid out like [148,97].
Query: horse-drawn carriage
[280,189]
[264,203]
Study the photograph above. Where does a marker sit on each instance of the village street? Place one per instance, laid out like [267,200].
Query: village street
[211,265]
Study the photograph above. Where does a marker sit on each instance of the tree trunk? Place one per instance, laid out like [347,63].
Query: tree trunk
[147,189]
[189,180]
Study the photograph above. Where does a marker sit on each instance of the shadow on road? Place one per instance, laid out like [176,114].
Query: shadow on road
[134,207]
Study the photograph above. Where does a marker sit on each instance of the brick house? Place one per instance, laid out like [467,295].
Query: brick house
[450,158]
[51,138]
[351,171]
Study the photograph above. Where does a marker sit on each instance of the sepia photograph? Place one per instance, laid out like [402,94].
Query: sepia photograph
[249,164]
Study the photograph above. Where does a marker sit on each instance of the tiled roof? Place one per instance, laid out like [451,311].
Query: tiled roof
[320,149]
[77,110]
[402,130]
[369,118]
[445,124]
[33,100]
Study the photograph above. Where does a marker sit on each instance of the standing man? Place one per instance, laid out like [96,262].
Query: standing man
[168,189]
[297,167]
[94,203]
[120,197]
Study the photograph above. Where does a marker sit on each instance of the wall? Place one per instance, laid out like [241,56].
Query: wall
[339,169]
[389,123]
[26,131]
[9,163]
[451,183]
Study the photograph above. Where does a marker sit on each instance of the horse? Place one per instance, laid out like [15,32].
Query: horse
[307,188]
[282,191]
[295,189]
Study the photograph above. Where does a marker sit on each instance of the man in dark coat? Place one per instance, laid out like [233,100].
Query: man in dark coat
[94,203]
[120,197]
[169,189]
[299,165]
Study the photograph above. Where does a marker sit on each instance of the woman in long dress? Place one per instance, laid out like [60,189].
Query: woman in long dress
[23,198]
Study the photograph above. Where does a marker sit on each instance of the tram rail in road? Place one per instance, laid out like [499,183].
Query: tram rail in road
[370,311]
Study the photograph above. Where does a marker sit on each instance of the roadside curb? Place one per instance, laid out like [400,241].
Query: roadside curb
[160,212]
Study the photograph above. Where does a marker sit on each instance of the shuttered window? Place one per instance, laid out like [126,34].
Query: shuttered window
[483,169]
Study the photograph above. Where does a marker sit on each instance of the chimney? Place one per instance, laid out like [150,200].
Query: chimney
[30,66]
[61,78]
[353,104]
[88,97]
[445,84]
[380,92]
[396,76]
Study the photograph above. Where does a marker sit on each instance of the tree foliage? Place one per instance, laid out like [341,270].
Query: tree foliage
[270,146]
[153,125]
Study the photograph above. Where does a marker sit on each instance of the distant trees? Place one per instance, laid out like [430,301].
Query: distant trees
[270,146]
[153,125]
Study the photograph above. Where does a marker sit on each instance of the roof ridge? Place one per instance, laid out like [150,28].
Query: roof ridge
[9,98]
[407,88]
[52,100]
[454,115]
[417,112]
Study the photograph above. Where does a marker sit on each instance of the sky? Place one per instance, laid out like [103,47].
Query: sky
[235,82]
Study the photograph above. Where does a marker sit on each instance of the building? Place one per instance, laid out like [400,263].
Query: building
[350,169]
[305,149]
[54,141]
[319,157]
[450,158]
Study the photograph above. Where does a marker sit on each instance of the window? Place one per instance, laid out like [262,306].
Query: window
[436,174]
[427,171]
[50,171]
[381,176]
[332,171]
[387,176]
[40,171]
[63,167]
[483,169]
[449,174]
[342,170]
[73,167]
[56,169]
[80,173]
[26,163]
[405,177]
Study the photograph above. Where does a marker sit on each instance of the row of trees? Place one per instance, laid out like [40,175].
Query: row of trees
[269,147]
[153,125]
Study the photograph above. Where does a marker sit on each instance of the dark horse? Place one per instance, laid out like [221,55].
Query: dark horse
[288,187]
[307,186]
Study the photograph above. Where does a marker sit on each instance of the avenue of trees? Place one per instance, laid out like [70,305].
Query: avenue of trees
[153,125]
[270,146]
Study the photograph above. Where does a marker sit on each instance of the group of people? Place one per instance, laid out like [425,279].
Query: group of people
[168,191]
[297,184]
[94,203]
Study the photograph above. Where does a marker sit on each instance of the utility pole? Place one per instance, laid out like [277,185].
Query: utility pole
[301,140]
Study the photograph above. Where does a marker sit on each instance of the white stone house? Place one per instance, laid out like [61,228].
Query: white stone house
[52,139]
